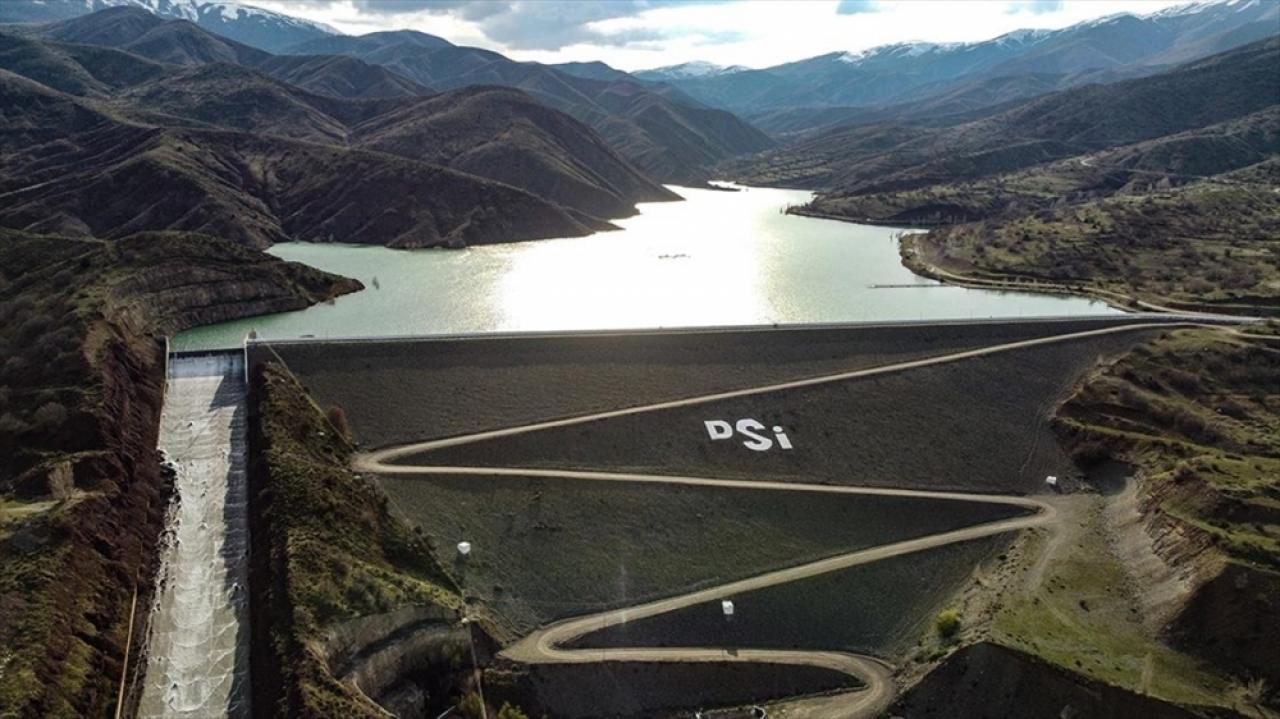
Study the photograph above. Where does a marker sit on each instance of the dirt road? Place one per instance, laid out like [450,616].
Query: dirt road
[548,644]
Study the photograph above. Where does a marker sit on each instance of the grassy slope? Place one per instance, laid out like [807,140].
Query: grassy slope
[1208,244]
[1154,165]
[1081,612]
[1197,408]
[1195,413]
[1000,682]
[333,550]
[81,495]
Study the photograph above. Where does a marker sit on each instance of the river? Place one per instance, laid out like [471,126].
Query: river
[718,258]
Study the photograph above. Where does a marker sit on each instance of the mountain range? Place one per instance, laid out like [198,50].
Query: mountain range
[884,171]
[1013,66]
[95,129]
[250,25]
[665,133]
[896,156]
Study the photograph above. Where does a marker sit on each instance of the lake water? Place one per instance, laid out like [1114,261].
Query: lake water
[718,258]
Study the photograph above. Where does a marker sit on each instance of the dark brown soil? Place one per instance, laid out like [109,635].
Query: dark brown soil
[989,681]
[1231,620]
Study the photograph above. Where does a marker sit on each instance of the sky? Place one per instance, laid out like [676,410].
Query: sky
[641,34]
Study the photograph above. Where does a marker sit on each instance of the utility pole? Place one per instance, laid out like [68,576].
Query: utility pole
[467,621]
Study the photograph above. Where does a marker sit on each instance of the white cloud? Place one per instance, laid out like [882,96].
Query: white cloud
[638,34]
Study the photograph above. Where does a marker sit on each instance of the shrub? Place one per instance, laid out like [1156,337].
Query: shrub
[948,623]
[338,418]
[470,707]
[11,424]
[51,415]
[509,712]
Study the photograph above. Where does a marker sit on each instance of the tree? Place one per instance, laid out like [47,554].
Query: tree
[948,623]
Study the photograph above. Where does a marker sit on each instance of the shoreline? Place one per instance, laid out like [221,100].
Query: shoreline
[913,258]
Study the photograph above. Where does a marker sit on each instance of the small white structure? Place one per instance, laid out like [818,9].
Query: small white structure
[464,548]
[727,607]
[1052,481]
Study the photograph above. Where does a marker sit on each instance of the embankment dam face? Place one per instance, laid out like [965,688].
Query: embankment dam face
[410,389]
[933,407]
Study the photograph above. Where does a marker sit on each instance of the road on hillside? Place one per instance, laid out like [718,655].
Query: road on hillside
[547,645]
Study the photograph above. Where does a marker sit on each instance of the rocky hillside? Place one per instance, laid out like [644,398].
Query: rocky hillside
[243,23]
[82,495]
[1195,413]
[255,158]
[859,160]
[948,77]
[1208,245]
[352,615]
[665,133]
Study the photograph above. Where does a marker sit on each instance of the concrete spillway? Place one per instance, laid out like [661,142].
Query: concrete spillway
[198,637]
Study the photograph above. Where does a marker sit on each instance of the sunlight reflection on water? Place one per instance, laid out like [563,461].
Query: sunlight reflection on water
[718,258]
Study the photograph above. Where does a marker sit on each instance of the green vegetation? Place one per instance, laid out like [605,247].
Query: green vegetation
[509,712]
[1082,612]
[332,550]
[1209,244]
[1198,412]
[1195,413]
[470,707]
[947,623]
[81,500]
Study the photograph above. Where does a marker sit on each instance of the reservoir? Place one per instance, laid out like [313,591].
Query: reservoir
[718,258]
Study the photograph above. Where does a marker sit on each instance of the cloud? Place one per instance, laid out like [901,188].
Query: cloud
[465,9]
[856,7]
[532,24]
[1034,7]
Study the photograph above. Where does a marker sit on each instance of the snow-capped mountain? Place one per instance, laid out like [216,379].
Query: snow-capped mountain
[687,70]
[1037,60]
[260,28]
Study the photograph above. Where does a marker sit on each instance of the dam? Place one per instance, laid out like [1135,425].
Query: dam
[197,649]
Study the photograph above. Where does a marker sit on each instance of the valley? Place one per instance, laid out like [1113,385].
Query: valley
[633,360]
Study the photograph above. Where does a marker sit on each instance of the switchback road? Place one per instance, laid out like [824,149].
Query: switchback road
[548,645]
